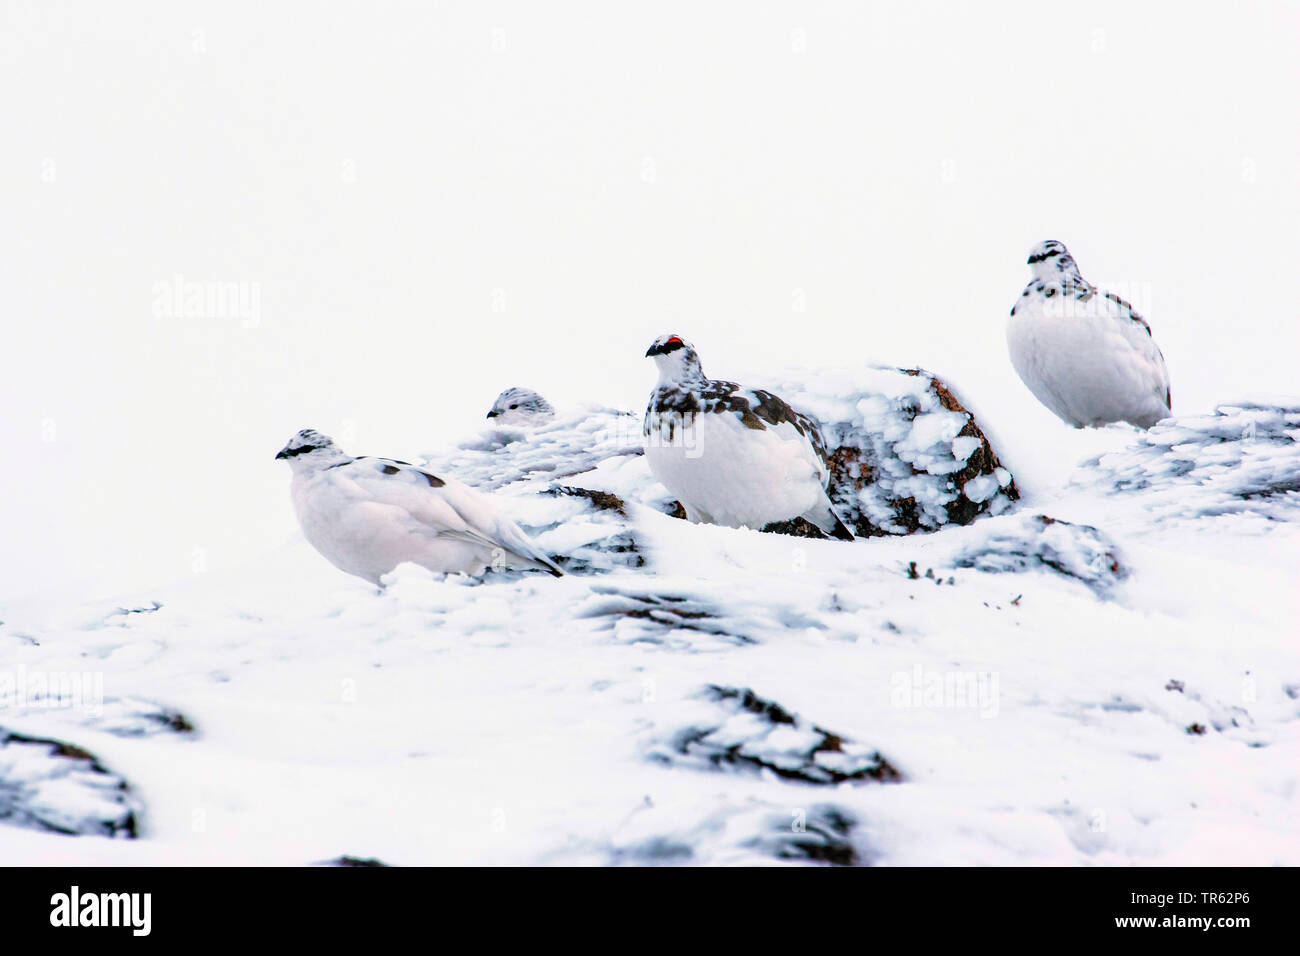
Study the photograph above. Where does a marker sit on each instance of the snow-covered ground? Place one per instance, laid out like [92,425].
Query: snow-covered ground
[1104,674]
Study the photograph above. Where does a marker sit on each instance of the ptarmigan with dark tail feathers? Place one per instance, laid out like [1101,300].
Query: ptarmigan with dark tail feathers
[368,515]
[733,456]
[1085,354]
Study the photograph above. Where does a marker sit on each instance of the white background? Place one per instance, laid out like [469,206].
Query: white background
[435,201]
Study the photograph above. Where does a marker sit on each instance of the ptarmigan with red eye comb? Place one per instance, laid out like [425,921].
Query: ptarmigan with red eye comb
[368,515]
[733,456]
[1085,354]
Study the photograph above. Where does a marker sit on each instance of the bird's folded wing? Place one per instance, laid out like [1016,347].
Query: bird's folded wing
[789,425]
[445,507]
[1137,333]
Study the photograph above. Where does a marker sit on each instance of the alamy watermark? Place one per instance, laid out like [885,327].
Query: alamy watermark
[179,298]
[21,689]
[679,430]
[1138,295]
[972,690]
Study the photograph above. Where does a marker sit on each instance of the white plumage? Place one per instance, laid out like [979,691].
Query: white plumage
[733,456]
[520,408]
[368,515]
[1085,354]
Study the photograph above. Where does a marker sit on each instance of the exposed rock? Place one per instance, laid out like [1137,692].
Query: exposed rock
[655,618]
[1036,541]
[588,531]
[658,850]
[904,454]
[820,835]
[602,500]
[745,832]
[354,861]
[84,707]
[742,732]
[796,528]
[149,608]
[52,785]
[695,615]
[599,451]
[133,717]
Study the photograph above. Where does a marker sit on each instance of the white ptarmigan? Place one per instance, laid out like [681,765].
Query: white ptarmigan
[368,515]
[520,407]
[733,456]
[1084,353]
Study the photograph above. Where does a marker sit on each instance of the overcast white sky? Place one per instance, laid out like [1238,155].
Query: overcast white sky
[426,203]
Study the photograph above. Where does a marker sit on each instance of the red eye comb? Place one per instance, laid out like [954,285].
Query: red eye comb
[674,338]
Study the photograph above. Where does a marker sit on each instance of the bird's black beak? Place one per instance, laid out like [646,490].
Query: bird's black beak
[651,351]
[283,453]
[493,414]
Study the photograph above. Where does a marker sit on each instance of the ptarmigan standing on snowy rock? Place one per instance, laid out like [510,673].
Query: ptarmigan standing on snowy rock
[368,515]
[520,407]
[733,456]
[1084,353]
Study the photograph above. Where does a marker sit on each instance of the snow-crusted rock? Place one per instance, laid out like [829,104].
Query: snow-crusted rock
[752,833]
[733,729]
[570,482]
[821,834]
[354,862]
[52,785]
[119,716]
[905,454]
[1026,542]
[678,620]
[1244,459]
[587,530]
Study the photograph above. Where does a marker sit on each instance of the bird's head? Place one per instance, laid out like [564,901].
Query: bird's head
[1050,261]
[520,406]
[675,358]
[310,449]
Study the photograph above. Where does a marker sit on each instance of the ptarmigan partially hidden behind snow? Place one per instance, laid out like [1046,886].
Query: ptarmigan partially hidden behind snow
[1084,353]
[368,515]
[521,407]
[733,456]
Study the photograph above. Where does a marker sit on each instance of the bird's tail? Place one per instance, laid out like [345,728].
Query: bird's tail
[825,518]
[541,562]
[525,554]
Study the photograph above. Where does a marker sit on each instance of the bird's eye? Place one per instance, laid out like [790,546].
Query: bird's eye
[514,406]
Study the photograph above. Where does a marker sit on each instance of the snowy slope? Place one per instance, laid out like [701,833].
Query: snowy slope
[1105,675]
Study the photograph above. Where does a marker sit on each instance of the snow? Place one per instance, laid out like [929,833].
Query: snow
[1079,682]
[1238,461]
